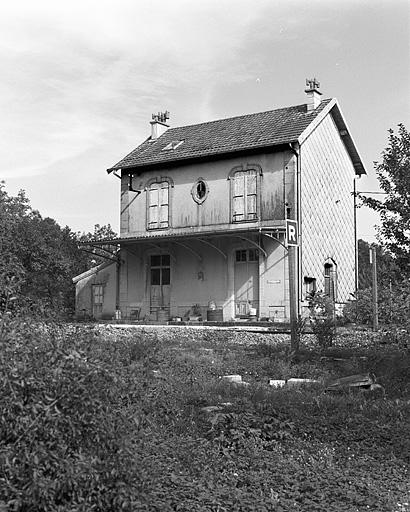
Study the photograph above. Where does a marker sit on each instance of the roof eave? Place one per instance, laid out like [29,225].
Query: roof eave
[204,158]
[333,108]
[92,271]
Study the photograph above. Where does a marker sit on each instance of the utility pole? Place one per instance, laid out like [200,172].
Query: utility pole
[292,243]
[373,261]
[294,338]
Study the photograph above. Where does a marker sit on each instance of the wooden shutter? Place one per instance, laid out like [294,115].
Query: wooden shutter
[238,198]
[153,206]
[163,205]
[251,208]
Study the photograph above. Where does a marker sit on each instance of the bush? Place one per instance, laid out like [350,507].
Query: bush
[67,429]
[393,306]
[322,319]
[104,419]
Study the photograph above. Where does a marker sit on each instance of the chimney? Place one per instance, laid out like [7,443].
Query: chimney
[313,94]
[158,124]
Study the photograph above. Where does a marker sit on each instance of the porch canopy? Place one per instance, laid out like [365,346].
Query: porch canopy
[181,237]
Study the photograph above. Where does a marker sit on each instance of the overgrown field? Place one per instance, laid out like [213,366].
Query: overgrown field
[104,419]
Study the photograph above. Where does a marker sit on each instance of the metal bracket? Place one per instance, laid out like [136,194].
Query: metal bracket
[253,243]
[162,250]
[214,247]
[276,240]
[197,255]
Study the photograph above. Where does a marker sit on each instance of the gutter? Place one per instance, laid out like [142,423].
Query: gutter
[200,158]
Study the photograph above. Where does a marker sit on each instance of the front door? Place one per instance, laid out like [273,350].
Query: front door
[160,276]
[246,279]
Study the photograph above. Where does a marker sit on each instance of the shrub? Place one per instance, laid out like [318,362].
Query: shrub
[69,405]
[322,319]
[393,306]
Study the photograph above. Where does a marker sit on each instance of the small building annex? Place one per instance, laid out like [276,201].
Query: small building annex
[203,218]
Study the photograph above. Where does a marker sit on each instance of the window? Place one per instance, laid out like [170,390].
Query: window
[158,205]
[199,191]
[244,196]
[243,255]
[310,287]
[330,276]
[160,269]
[172,145]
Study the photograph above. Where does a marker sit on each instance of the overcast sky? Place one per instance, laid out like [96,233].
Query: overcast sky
[81,78]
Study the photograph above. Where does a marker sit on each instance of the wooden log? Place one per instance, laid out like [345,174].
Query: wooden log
[361,380]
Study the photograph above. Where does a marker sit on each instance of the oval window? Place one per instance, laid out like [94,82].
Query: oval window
[200,191]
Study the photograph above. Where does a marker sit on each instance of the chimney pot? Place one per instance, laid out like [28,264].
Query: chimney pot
[313,94]
[159,124]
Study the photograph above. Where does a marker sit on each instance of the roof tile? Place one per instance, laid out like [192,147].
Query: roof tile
[224,136]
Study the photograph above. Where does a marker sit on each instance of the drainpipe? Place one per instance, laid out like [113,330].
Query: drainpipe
[117,287]
[356,251]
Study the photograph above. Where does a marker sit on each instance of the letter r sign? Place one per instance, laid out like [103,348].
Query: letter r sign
[291,232]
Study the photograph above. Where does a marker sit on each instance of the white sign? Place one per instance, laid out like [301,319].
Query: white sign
[291,232]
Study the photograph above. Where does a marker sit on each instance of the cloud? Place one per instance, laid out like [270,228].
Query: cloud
[72,71]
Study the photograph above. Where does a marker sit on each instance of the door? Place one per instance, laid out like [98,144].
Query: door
[160,281]
[97,299]
[246,282]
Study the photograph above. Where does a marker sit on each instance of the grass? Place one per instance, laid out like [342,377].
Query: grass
[133,433]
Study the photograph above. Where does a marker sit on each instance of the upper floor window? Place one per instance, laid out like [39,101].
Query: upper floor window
[199,191]
[244,186]
[158,205]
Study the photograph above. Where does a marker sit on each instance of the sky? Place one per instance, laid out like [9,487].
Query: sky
[80,79]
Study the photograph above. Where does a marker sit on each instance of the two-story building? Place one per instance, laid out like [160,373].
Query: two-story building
[203,217]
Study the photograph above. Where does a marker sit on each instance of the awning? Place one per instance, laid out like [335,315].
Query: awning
[181,237]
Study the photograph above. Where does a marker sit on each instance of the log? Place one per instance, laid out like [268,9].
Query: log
[361,380]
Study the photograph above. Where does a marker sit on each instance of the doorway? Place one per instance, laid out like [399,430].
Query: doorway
[160,282]
[246,282]
[330,280]
[97,300]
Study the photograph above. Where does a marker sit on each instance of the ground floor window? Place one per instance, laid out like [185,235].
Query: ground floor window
[330,280]
[244,255]
[310,286]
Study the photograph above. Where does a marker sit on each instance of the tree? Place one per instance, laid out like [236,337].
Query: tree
[98,254]
[38,258]
[387,268]
[393,173]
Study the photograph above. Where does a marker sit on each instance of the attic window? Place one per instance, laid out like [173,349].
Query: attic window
[173,145]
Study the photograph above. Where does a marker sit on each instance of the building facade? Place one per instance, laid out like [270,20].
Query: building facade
[203,218]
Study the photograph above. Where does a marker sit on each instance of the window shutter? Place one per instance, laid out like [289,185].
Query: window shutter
[163,205]
[251,195]
[239,196]
[153,206]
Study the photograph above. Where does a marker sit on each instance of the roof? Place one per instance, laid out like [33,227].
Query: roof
[92,271]
[226,136]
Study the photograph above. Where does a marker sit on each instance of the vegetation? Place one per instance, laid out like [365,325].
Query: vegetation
[104,419]
[393,292]
[39,256]
[393,175]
